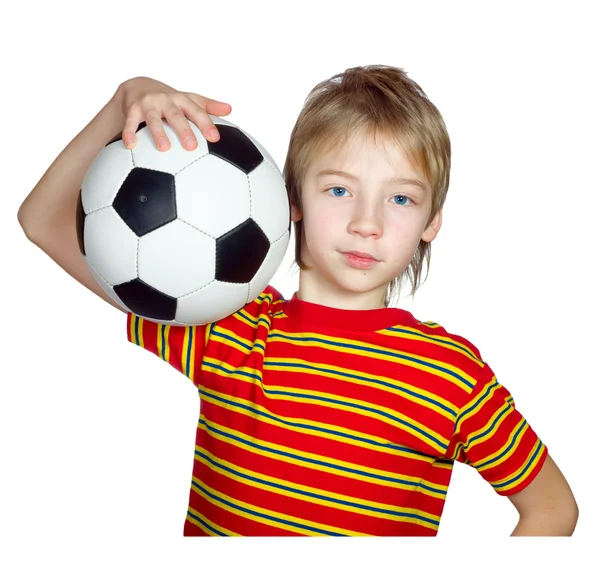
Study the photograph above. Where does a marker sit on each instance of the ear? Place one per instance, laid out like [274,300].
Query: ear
[296,213]
[431,231]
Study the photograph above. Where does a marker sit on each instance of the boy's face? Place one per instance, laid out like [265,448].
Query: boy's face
[366,214]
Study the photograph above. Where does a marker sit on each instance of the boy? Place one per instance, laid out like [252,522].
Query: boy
[329,413]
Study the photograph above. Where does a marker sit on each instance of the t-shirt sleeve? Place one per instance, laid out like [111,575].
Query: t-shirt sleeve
[181,346]
[492,436]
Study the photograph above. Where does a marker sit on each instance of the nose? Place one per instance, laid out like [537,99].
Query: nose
[367,221]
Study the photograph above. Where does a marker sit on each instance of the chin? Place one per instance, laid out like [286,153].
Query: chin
[361,286]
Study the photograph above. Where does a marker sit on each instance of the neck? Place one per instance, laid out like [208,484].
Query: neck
[323,292]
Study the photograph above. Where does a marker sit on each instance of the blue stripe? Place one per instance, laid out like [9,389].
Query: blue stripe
[255,346]
[162,345]
[234,371]
[435,339]
[496,421]
[268,363]
[520,474]
[243,315]
[232,339]
[266,516]
[205,523]
[231,403]
[372,350]
[512,442]
[255,445]
[191,335]
[315,495]
[326,400]
[476,403]
[137,330]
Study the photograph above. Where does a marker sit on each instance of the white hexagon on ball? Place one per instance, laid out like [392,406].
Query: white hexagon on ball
[212,195]
[111,246]
[176,259]
[271,212]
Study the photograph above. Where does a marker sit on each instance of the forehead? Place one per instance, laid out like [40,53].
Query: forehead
[362,150]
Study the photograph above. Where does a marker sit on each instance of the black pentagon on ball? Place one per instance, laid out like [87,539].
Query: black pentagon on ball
[236,148]
[146,301]
[240,253]
[146,200]
[79,223]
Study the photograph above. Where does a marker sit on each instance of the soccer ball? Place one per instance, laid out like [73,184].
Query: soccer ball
[184,237]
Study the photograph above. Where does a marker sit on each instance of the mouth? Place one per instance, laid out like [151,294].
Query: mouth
[360,260]
[362,255]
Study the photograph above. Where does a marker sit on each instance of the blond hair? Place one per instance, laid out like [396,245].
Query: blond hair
[378,100]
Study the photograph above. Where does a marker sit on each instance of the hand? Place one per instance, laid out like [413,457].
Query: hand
[149,100]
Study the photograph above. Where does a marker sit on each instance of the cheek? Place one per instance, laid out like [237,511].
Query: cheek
[405,226]
[320,221]
[402,237]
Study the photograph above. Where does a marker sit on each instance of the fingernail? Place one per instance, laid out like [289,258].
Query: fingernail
[190,142]
[213,134]
[162,142]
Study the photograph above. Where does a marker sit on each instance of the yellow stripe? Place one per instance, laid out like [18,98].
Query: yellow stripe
[442,340]
[368,380]
[235,340]
[314,432]
[160,342]
[239,372]
[470,444]
[495,458]
[318,501]
[231,339]
[308,464]
[189,336]
[501,483]
[478,402]
[266,512]
[253,321]
[199,524]
[140,324]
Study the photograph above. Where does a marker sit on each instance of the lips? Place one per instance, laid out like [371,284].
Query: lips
[361,255]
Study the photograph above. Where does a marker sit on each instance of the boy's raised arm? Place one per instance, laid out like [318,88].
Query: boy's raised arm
[48,214]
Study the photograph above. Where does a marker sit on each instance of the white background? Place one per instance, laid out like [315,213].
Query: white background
[97,436]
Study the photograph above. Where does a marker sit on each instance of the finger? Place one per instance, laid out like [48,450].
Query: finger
[180,124]
[217,108]
[134,118]
[201,119]
[211,106]
[155,125]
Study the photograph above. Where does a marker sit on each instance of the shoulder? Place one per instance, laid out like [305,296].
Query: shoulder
[432,340]
[265,305]
[268,301]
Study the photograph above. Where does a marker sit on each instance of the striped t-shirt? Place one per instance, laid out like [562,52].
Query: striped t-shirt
[320,421]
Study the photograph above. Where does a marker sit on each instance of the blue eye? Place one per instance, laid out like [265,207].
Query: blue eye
[402,197]
[338,188]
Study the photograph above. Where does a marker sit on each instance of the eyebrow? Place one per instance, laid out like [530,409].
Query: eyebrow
[392,181]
